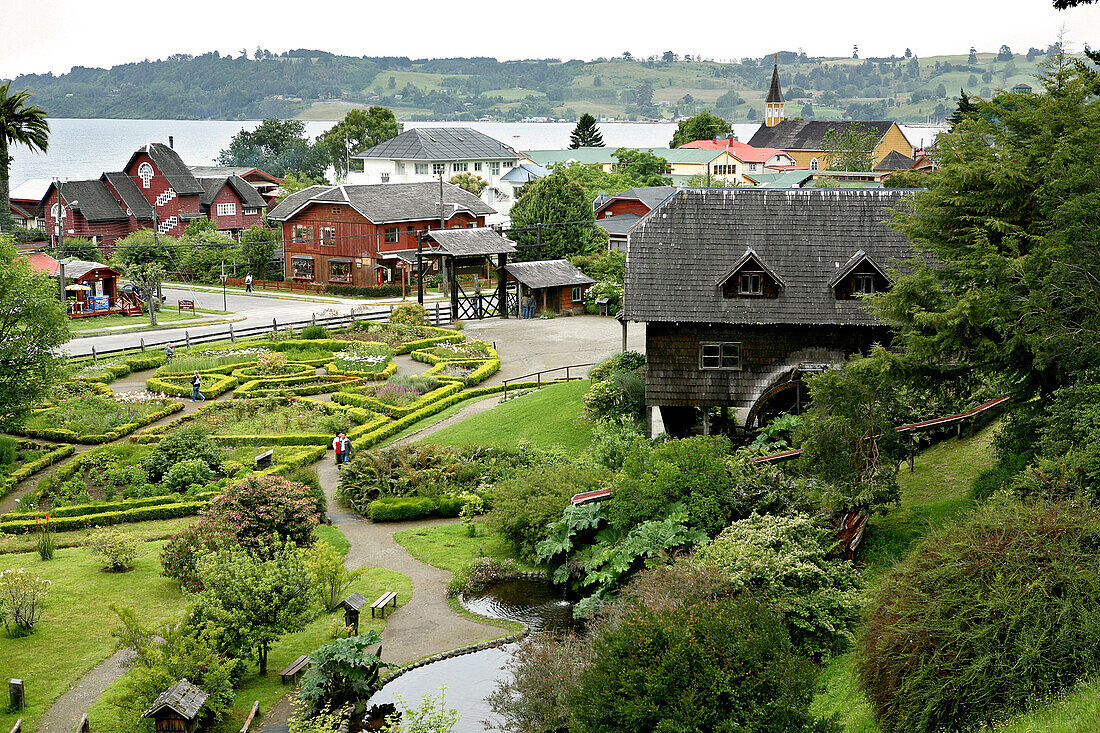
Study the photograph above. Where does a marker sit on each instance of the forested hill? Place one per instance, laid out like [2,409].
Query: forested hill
[321,85]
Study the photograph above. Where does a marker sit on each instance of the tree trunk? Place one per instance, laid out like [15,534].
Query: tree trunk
[263,660]
[5,202]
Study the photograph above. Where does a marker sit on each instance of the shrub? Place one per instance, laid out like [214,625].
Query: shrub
[314,332]
[22,597]
[342,672]
[397,509]
[479,574]
[329,576]
[185,474]
[181,553]
[259,509]
[618,389]
[8,447]
[984,617]
[186,444]
[525,504]
[782,562]
[545,669]
[119,549]
[613,439]
[724,666]
[409,314]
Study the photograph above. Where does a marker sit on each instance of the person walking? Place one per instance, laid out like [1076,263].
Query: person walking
[345,447]
[169,353]
[196,383]
[248,283]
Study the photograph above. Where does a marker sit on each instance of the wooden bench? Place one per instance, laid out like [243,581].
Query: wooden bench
[382,602]
[264,459]
[294,668]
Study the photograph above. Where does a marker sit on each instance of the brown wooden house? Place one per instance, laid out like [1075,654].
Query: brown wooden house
[557,285]
[176,710]
[766,288]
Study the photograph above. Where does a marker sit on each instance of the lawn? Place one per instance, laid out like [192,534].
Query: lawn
[546,418]
[142,321]
[448,547]
[92,414]
[159,529]
[74,633]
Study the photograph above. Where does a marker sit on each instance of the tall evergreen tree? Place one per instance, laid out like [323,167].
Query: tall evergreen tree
[966,108]
[586,134]
[20,124]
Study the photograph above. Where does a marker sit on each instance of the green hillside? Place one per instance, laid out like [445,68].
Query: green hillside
[319,85]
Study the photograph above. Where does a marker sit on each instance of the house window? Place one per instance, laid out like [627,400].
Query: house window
[750,283]
[863,284]
[813,164]
[328,236]
[477,167]
[302,267]
[726,355]
[578,293]
[339,272]
[385,178]
[400,168]
[461,167]
[302,234]
[439,169]
[145,173]
[251,212]
[421,169]
[229,209]
[494,168]
[752,167]
[391,235]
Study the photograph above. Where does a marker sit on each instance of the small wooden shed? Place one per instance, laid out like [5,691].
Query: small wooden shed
[557,285]
[351,606]
[176,710]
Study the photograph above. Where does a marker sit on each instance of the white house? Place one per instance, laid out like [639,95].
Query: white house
[423,154]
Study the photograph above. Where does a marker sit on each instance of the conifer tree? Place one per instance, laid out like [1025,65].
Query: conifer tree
[586,134]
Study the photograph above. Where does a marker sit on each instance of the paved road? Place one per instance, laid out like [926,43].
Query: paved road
[257,310]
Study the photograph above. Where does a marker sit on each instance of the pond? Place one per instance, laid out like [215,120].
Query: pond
[471,677]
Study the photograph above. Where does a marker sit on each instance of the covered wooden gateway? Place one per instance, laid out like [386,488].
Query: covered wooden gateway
[467,251]
[176,710]
[557,285]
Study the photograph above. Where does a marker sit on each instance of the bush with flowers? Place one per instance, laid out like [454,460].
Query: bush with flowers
[22,599]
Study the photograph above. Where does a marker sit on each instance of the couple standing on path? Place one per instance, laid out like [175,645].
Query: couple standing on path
[342,445]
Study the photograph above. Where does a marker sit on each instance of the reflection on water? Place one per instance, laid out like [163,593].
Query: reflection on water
[471,677]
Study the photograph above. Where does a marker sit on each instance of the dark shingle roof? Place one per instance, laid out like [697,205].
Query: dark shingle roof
[775,91]
[249,196]
[547,274]
[76,269]
[171,166]
[94,200]
[471,242]
[894,161]
[131,195]
[355,601]
[183,697]
[651,196]
[439,143]
[387,202]
[620,224]
[807,134]
[210,188]
[805,235]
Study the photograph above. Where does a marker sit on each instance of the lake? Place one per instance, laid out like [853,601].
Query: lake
[82,148]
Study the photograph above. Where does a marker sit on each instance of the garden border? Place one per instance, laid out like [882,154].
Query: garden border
[25,471]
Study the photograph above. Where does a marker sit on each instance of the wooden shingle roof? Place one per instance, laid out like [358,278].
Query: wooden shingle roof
[471,242]
[183,697]
[806,236]
[354,602]
[547,274]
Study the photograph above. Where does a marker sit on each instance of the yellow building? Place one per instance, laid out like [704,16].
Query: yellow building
[804,140]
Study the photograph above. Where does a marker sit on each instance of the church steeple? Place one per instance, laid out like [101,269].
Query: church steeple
[773,104]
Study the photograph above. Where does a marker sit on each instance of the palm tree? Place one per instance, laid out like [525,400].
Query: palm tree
[20,124]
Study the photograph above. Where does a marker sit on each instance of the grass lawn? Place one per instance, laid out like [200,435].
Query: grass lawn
[164,316]
[73,635]
[159,529]
[448,547]
[546,418]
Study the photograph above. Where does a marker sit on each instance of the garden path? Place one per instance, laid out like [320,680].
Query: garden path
[64,715]
[467,410]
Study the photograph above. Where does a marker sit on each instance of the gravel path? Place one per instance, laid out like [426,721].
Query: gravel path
[63,715]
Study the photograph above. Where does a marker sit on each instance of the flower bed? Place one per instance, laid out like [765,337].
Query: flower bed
[92,418]
[364,359]
[264,373]
[466,373]
[306,385]
[48,456]
[392,399]
[455,352]
[180,385]
[106,372]
[402,339]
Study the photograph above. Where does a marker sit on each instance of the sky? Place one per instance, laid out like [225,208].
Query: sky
[39,36]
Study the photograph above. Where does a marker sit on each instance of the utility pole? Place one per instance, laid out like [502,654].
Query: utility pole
[224,308]
[156,289]
[61,242]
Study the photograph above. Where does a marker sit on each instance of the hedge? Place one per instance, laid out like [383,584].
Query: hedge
[484,370]
[68,436]
[366,401]
[427,357]
[304,456]
[386,373]
[305,371]
[393,428]
[411,346]
[128,365]
[404,508]
[293,385]
[140,514]
[212,385]
[27,470]
[99,507]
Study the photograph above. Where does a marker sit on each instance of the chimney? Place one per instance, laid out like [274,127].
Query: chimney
[171,142]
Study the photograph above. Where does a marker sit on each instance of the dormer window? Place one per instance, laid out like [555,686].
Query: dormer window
[750,277]
[860,276]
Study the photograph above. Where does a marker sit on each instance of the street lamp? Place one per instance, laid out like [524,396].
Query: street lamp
[224,278]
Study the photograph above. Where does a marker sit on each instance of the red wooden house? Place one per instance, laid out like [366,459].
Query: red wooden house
[168,185]
[341,234]
[231,203]
[618,214]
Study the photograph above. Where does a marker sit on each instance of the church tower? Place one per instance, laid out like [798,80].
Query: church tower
[773,107]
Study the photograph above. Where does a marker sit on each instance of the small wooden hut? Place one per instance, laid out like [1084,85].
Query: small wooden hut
[351,606]
[176,710]
[556,285]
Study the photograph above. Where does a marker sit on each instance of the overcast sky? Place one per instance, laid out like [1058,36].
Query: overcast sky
[37,36]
